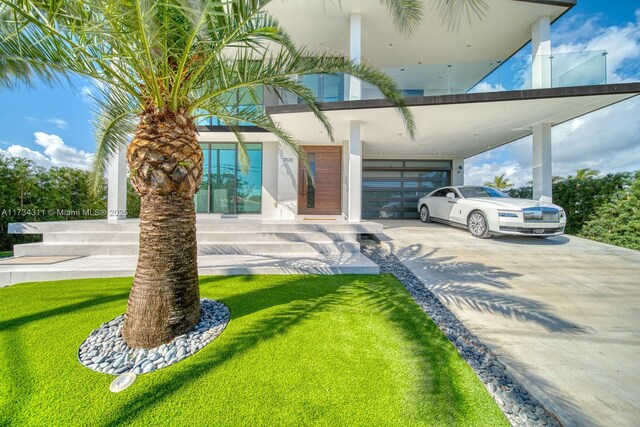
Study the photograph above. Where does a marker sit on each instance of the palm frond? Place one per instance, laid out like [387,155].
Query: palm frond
[451,12]
[406,14]
[114,120]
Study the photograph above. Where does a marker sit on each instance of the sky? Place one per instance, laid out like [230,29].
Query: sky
[52,126]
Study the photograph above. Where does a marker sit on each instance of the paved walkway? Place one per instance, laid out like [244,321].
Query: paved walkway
[562,313]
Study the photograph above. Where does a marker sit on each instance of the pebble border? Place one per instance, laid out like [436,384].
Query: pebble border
[520,408]
[105,351]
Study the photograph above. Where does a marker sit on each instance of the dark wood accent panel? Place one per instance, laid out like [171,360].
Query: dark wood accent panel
[328,181]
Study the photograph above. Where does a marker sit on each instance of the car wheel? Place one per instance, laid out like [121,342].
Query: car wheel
[477,225]
[424,214]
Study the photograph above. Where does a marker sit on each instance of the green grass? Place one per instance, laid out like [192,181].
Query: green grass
[6,254]
[299,350]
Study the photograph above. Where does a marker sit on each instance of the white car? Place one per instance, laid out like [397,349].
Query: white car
[485,211]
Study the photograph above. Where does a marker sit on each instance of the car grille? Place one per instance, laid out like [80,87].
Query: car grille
[541,214]
[532,230]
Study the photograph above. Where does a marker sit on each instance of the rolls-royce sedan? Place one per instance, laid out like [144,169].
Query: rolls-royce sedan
[485,211]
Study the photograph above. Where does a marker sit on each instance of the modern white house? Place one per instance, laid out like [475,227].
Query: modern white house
[464,101]
[373,170]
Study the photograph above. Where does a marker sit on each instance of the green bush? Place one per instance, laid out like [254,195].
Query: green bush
[617,221]
[581,197]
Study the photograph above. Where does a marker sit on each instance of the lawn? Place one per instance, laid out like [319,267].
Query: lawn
[299,350]
[6,254]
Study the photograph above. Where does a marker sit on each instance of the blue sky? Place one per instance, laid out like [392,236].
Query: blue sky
[52,125]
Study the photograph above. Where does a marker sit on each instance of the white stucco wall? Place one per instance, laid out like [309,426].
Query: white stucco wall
[287,189]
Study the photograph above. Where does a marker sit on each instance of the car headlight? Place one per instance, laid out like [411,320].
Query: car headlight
[508,214]
[561,214]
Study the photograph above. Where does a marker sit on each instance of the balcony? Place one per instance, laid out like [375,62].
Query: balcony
[567,69]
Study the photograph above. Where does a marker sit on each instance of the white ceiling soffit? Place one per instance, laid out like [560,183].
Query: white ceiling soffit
[445,130]
[323,25]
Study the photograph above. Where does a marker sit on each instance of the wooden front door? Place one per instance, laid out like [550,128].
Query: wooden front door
[323,195]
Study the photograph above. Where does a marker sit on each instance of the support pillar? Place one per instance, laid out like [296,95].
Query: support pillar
[117,186]
[457,171]
[541,53]
[353,84]
[354,173]
[542,173]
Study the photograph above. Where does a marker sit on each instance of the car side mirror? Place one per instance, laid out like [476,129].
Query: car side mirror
[451,195]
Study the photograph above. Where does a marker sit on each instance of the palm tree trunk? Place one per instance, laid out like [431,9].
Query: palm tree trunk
[165,160]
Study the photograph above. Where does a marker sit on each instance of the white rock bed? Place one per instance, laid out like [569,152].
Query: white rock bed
[105,350]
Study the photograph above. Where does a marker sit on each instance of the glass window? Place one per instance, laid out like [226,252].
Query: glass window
[249,198]
[381,174]
[382,163]
[474,192]
[332,87]
[225,187]
[427,164]
[311,191]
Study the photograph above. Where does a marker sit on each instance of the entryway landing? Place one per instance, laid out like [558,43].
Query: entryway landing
[226,246]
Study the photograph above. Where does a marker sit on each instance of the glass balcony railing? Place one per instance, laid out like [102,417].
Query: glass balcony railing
[567,69]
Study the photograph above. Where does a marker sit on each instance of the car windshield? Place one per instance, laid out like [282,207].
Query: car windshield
[473,192]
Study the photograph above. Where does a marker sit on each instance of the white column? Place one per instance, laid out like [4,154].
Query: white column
[457,171]
[117,186]
[541,53]
[287,199]
[354,173]
[355,53]
[542,174]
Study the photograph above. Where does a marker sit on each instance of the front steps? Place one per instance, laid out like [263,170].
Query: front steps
[215,237]
[225,246]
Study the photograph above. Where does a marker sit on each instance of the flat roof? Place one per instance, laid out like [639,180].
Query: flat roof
[450,126]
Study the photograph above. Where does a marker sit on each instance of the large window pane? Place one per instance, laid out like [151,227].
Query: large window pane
[250,184]
[223,173]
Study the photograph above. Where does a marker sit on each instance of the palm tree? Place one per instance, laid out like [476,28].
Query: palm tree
[499,182]
[586,173]
[159,66]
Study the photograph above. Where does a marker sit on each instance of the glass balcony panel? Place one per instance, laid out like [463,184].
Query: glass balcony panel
[578,68]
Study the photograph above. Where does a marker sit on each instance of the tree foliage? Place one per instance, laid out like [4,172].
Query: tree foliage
[32,193]
[617,221]
[499,182]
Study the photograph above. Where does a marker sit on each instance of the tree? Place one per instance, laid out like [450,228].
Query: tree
[617,221]
[159,66]
[499,182]
[585,173]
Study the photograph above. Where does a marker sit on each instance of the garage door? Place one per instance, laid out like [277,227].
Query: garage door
[391,188]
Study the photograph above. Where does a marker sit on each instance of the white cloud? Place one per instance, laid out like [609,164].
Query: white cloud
[59,123]
[86,93]
[607,140]
[487,87]
[56,153]
[27,153]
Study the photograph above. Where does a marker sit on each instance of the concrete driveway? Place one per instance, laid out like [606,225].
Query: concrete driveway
[562,313]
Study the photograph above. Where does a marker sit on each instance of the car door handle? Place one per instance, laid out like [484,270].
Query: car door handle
[451,201]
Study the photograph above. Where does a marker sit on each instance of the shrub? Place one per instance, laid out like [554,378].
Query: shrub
[617,221]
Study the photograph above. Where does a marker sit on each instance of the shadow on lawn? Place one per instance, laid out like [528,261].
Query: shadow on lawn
[19,376]
[299,300]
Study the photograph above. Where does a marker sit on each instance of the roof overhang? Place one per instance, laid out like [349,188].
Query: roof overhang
[451,126]
[324,25]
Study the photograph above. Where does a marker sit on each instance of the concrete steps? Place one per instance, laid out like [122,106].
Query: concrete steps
[216,237]
[204,236]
